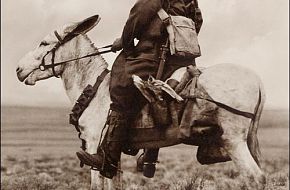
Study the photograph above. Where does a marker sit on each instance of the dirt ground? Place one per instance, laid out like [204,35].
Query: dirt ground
[38,152]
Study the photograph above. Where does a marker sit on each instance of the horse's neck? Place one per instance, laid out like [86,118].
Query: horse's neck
[78,74]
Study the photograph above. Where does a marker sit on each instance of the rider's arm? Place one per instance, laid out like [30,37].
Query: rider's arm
[140,15]
[194,13]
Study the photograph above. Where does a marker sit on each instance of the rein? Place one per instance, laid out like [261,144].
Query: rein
[70,36]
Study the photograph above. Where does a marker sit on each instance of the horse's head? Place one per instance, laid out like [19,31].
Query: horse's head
[38,63]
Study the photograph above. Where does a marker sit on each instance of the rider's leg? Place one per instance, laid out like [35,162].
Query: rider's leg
[126,101]
[108,154]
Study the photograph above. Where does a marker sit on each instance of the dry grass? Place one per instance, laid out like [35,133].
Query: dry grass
[44,159]
[174,172]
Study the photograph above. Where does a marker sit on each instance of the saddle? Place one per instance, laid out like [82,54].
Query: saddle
[178,111]
[183,107]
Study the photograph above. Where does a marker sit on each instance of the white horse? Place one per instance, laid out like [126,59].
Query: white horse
[240,133]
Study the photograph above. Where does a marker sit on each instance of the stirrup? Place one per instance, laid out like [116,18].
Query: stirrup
[105,160]
[110,170]
[112,165]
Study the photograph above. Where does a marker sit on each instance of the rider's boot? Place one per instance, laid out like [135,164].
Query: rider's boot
[109,152]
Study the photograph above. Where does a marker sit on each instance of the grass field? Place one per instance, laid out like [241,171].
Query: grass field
[38,152]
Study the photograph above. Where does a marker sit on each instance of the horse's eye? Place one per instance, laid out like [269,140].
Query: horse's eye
[43,43]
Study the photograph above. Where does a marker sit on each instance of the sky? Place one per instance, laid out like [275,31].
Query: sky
[252,33]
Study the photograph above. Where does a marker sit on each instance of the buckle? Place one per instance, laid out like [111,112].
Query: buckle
[167,21]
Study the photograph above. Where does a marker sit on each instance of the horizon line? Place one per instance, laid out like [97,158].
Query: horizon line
[68,106]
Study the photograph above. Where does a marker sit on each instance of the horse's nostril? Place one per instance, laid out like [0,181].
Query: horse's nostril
[18,70]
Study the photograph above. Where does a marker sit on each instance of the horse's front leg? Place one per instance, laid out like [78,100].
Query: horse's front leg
[97,180]
[116,182]
[100,183]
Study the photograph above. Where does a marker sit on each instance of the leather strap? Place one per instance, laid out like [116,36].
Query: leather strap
[83,102]
[163,16]
[226,107]
[58,37]
[166,19]
[61,41]
[100,79]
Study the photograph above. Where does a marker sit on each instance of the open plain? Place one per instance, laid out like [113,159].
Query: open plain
[38,152]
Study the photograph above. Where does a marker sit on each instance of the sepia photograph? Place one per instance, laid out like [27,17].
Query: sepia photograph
[144,94]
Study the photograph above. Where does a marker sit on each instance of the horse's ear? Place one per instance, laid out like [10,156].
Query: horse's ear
[86,25]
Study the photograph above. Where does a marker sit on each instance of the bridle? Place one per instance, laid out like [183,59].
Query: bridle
[60,42]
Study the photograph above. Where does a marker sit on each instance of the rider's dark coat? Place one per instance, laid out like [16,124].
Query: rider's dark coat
[143,59]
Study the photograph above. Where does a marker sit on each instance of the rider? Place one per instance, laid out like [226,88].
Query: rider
[142,60]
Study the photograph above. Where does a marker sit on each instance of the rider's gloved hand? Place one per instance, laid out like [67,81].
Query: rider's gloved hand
[117,45]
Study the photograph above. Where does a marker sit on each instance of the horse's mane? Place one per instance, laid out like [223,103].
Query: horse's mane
[95,48]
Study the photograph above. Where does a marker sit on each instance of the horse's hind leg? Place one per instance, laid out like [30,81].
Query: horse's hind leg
[234,140]
[241,156]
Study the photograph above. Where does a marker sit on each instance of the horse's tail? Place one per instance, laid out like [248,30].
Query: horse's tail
[252,139]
